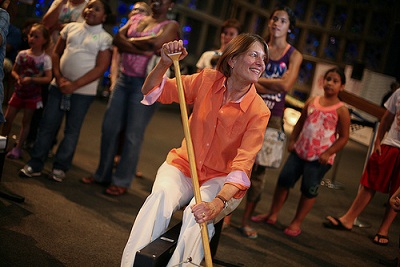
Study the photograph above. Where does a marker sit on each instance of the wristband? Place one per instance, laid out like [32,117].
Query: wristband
[223,200]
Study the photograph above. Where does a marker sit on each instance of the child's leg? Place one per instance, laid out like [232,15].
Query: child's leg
[254,193]
[290,174]
[280,196]
[26,123]
[387,221]
[304,207]
[377,176]
[9,116]
[313,174]
[361,201]
[390,213]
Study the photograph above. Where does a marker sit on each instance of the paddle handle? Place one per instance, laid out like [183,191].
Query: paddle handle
[192,160]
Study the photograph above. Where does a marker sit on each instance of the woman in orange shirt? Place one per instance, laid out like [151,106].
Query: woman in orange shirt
[227,127]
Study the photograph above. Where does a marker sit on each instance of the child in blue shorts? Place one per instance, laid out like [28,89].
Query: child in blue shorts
[322,130]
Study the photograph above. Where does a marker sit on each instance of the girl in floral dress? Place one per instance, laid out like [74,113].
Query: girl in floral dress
[32,69]
[322,130]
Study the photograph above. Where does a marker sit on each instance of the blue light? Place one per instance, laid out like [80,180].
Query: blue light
[186,29]
[115,29]
[122,9]
[124,20]
[185,42]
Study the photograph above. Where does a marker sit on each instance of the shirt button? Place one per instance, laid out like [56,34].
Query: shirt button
[207,144]
[200,162]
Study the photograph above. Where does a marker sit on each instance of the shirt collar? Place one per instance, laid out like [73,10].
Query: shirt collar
[248,98]
[93,29]
[245,101]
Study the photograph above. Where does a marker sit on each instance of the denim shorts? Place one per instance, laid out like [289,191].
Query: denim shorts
[312,172]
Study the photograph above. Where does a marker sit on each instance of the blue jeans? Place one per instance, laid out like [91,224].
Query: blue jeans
[124,111]
[312,172]
[49,125]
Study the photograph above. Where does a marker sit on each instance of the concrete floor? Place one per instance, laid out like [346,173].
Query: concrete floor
[71,224]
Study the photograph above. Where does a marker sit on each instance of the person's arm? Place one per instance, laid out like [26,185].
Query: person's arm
[167,33]
[384,126]
[50,19]
[214,207]
[55,57]
[343,129]
[114,68]
[103,60]
[4,25]
[142,45]
[144,38]
[48,75]
[122,42]
[15,71]
[156,75]
[286,82]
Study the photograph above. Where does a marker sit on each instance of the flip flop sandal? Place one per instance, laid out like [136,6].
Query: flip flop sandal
[292,233]
[378,238]
[248,232]
[88,180]
[115,191]
[338,226]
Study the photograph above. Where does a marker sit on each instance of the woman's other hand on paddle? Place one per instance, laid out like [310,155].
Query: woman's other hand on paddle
[173,48]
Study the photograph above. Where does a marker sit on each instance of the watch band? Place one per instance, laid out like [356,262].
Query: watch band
[223,200]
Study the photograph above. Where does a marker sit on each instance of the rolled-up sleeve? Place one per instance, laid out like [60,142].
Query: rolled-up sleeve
[240,180]
[154,93]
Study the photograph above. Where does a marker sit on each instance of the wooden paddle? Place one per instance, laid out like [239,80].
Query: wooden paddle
[192,161]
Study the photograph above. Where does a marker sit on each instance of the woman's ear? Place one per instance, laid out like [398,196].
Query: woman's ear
[231,62]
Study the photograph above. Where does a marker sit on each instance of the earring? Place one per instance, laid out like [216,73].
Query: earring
[289,31]
[170,8]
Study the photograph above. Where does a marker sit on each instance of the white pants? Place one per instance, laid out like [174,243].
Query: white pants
[171,190]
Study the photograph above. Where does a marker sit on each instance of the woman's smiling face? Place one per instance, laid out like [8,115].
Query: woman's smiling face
[250,65]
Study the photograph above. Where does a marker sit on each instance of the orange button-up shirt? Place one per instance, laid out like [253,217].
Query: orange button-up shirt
[226,138]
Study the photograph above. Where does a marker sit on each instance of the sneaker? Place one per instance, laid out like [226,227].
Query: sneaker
[28,172]
[15,153]
[57,175]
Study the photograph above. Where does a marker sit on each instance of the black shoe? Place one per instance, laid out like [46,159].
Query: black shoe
[386,262]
